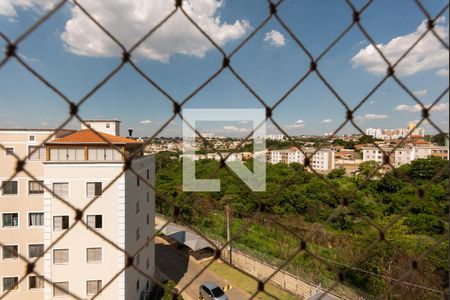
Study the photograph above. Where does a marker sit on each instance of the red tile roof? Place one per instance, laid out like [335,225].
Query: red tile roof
[88,136]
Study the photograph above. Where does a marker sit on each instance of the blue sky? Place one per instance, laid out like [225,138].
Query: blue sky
[74,56]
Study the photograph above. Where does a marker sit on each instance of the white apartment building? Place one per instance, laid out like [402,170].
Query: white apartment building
[389,134]
[77,167]
[275,137]
[286,156]
[374,132]
[405,155]
[322,161]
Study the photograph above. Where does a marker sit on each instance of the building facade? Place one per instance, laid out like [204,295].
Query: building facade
[406,154]
[80,171]
[322,160]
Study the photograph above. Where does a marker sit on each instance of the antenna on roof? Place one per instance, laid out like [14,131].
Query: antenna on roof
[130,132]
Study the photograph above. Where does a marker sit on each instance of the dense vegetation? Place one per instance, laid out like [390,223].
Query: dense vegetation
[338,216]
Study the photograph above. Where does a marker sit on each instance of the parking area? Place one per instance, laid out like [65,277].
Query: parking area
[177,266]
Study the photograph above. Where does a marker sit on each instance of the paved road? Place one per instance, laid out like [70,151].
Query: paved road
[180,269]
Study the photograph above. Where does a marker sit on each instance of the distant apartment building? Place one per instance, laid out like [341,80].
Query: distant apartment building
[76,167]
[323,160]
[406,154]
[275,137]
[391,134]
[374,132]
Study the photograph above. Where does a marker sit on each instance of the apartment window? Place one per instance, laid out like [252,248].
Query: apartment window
[95,221]
[61,189]
[35,187]
[148,174]
[138,181]
[147,264]
[138,206]
[36,250]
[138,234]
[60,288]
[137,285]
[31,138]
[36,282]
[108,125]
[10,283]
[10,220]
[60,256]
[9,188]
[138,259]
[108,154]
[148,196]
[93,255]
[148,219]
[93,287]
[10,252]
[93,189]
[36,219]
[60,222]
[66,154]
[38,154]
[9,151]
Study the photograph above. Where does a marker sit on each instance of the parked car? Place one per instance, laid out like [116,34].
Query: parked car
[209,290]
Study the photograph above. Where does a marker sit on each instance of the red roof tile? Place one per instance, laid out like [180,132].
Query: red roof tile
[88,136]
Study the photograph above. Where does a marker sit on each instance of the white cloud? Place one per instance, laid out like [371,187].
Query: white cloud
[371,117]
[235,129]
[145,122]
[326,121]
[418,108]
[420,93]
[442,72]
[275,38]
[8,7]
[297,124]
[427,54]
[128,21]
[244,122]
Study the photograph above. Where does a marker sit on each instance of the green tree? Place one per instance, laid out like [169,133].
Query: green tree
[440,139]
[425,224]
[169,292]
[368,168]
[336,173]
[427,168]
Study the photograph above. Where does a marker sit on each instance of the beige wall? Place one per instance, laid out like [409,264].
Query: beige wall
[102,126]
[22,204]
[77,271]
[120,221]
[134,220]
